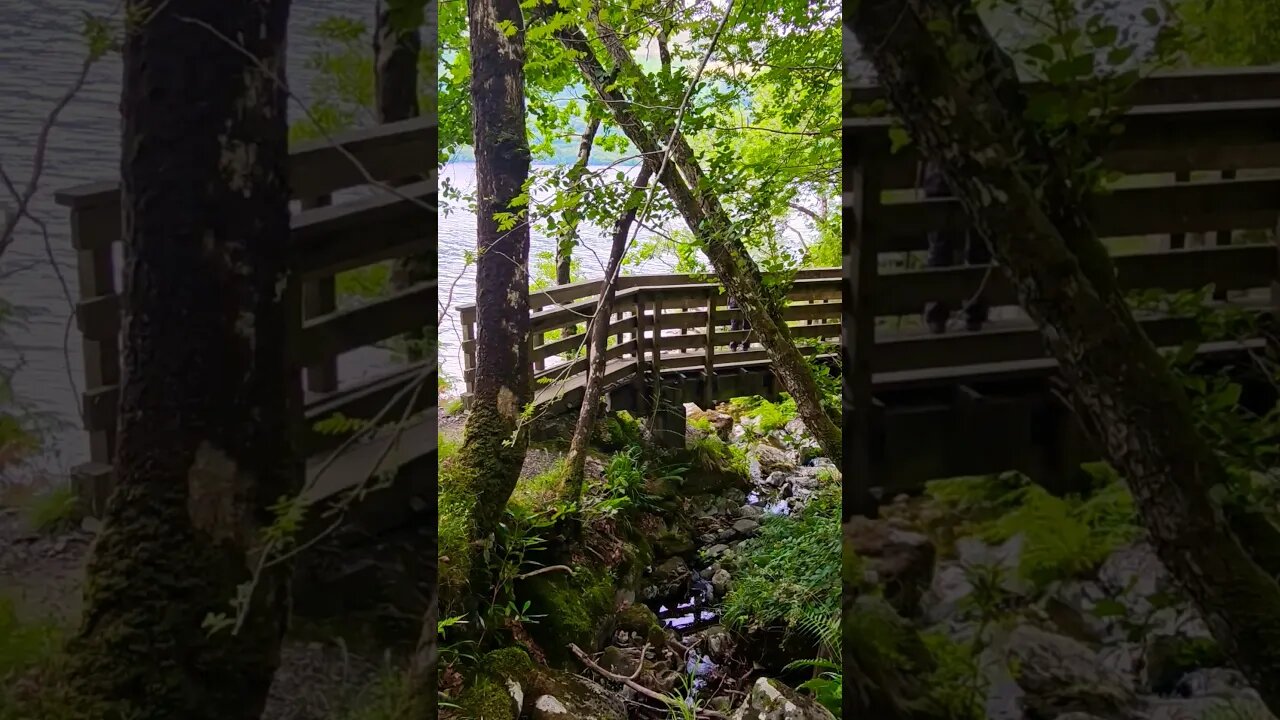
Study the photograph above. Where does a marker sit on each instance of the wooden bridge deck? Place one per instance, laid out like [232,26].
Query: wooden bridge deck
[329,237]
[1198,195]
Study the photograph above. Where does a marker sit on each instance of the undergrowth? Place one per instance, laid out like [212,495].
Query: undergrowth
[1062,537]
[789,574]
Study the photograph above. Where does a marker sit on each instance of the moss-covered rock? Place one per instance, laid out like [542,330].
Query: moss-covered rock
[507,682]
[638,618]
[489,699]
[577,608]
[672,542]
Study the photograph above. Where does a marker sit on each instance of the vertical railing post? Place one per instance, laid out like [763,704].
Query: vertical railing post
[1178,241]
[862,211]
[92,482]
[637,342]
[709,352]
[319,298]
[657,351]
[467,319]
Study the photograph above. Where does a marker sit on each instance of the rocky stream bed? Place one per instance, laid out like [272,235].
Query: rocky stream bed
[665,640]
[1117,642]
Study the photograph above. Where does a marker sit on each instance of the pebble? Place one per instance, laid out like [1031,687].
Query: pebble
[746,526]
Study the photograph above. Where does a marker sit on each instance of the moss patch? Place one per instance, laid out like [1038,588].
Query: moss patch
[576,609]
[540,491]
[639,619]
[455,506]
[487,699]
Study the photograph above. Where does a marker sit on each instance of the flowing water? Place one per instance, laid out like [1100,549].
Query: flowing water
[40,55]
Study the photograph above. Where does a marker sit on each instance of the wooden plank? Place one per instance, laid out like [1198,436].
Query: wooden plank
[1201,85]
[390,449]
[98,318]
[328,336]
[575,341]
[329,240]
[1007,341]
[1200,206]
[898,381]
[317,167]
[1158,138]
[99,406]
[1235,267]
[365,401]
[319,297]
[694,295]
[709,359]
[699,341]
[562,294]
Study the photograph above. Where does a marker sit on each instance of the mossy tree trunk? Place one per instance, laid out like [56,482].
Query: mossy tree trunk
[941,69]
[477,483]
[397,43]
[707,219]
[204,442]
[597,340]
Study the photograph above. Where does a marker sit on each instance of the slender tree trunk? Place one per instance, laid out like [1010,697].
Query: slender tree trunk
[569,237]
[936,60]
[598,340]
[711,225]
[477,485]
[204,445]
[397,43]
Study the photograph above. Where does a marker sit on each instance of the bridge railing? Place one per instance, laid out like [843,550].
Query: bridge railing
[1205,160]
[328,238]
[657,323]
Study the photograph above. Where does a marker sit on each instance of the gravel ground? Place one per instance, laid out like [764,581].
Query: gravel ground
[43,575]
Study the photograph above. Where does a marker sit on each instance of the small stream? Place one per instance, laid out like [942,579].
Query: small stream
[698,610]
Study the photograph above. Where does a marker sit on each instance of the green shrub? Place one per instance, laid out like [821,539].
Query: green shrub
[447,446]
[1068,536]
[769,416]
[54,509]
[789,574]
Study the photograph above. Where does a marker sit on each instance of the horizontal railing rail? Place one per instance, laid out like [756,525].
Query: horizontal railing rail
[676,322]
[393,218]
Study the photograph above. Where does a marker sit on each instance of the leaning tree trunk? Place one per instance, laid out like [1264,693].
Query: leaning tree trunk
[936,60]
[397,43]
[204,448]
[575,462]
[573,217]
[477,485]
[707,219]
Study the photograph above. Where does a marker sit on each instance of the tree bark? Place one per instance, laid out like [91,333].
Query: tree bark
[575,462]
[569,236]
[479,483]
[711,225]
[205,443]
[936,60]
[397,43]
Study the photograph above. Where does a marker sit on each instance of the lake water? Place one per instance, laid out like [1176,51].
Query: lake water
[458,236]
[40,55]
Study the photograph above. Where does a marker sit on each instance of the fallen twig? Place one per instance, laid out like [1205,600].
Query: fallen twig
[651,694]
[546,569]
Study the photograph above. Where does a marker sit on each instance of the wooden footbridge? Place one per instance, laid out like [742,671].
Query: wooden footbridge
[1197,204]
[674,328]
[341,222]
